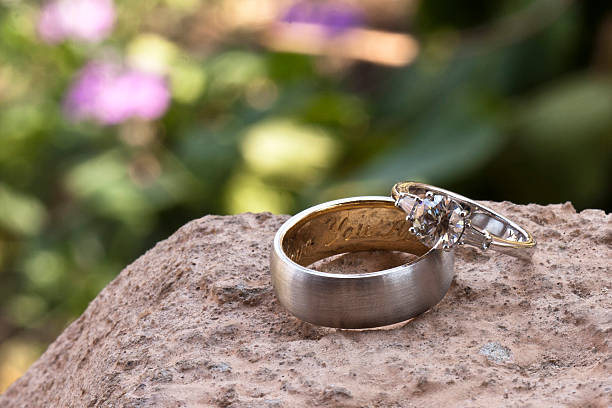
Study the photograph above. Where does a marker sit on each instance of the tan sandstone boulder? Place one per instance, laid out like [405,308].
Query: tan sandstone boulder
[194,322]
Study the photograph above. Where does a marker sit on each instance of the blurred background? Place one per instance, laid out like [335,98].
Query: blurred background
[122,120]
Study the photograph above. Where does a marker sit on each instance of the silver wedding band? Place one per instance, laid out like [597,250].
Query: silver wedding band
[355,300]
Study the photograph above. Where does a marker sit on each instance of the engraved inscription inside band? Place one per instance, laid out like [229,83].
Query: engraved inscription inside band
[350,228]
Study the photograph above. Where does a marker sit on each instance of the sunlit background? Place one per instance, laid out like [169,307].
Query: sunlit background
[122,120]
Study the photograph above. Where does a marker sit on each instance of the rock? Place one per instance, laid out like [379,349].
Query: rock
[496,352]
[194,322]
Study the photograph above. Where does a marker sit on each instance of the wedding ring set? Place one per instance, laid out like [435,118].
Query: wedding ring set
[418,219]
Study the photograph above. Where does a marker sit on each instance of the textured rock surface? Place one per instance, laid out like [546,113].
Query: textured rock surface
[194,322]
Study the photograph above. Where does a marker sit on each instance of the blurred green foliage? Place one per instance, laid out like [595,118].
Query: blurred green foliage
[518,112]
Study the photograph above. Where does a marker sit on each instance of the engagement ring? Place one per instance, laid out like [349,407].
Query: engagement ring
[442,219]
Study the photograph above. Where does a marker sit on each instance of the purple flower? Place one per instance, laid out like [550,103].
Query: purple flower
[83,20]
[336,17]
[111,94]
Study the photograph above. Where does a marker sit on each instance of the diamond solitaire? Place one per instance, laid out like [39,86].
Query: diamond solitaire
[435,218]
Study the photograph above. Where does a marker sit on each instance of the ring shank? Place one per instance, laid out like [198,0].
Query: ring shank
[355,300]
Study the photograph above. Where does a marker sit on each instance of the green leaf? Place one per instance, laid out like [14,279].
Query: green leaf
[567,114]
[20,213]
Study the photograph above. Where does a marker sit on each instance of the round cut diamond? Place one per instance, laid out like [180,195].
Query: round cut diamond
[438,218]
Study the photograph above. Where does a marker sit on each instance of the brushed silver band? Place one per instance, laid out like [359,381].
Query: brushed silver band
[356,300]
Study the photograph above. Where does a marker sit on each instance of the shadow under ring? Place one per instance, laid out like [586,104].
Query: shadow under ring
[355,300]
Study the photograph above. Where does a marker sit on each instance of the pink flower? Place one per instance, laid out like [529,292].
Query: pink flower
[111,94]
[82,20]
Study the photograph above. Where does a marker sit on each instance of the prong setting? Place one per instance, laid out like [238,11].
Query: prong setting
[434,217]
[487,240]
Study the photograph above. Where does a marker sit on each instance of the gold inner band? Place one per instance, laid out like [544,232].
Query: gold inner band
[350,227]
